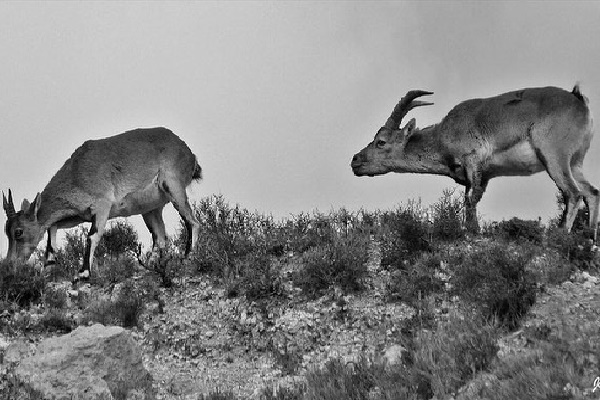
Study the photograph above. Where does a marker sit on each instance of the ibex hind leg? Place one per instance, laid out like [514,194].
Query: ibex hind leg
[156,225]
[559,169]
[177,195]
[591,195]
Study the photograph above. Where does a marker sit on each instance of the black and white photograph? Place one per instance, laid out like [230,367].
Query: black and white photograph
[299,200]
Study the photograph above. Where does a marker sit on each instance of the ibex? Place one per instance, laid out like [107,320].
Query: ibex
[517,133]
[136,172]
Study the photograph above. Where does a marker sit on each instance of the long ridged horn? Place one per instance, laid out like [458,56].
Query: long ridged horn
[8,205]
[404,106]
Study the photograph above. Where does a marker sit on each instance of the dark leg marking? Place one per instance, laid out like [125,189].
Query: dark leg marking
[188,241]
[49,250]
[49,244]
[86,256]
[94,228]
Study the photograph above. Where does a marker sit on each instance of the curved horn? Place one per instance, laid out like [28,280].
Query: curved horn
[404,106]
[8,205]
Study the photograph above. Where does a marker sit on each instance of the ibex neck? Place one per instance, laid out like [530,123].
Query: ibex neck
[425,154]
[54,209]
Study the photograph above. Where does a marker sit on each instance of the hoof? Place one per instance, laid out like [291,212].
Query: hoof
[82,276]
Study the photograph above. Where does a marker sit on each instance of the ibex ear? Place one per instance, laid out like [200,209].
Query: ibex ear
[7,204]
[409,128]
[4,202]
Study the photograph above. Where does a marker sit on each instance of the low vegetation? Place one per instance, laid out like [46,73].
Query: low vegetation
[466,293]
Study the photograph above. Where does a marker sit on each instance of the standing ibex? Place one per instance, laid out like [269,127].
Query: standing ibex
[514,134]
[136,172]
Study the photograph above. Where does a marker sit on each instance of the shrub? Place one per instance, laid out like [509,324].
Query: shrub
[20,283]
[493,278]
[416,281]
[306,231]
[114,271]
[342,263]
[549,266]
[118,239]
[167,267]
[260,280]
[126,307]
[227,233]
[288,358]
[402,238]
[448,217]
[450,356]
[423,319]
[518,229]
[283,393]
[366,222]
[218,395]
[439,363]
[560,363]
[55,298]
[70,257]
[130,304]
[365,379]
[339,380]
[574,247]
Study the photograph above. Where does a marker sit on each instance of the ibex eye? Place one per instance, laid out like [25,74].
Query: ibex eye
[380,143]
[18,233]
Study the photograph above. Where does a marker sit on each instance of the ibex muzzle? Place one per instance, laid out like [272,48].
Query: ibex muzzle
[136,172]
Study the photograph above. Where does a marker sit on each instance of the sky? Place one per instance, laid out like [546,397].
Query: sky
[275,97]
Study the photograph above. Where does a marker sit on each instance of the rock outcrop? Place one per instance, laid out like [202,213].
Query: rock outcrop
[94,362]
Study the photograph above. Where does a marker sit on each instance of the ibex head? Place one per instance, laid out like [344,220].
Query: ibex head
[22,227]
[385,153]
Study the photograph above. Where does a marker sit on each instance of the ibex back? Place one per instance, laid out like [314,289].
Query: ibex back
[516,133]
[136,172]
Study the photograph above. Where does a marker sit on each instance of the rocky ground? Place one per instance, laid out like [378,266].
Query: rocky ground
[570,312]
[208,354]
[204,342]
[223,344]
[197,341]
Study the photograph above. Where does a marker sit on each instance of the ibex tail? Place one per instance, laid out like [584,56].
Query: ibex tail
[577,93]
[197,172]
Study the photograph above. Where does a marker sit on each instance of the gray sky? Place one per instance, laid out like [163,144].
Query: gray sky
[275,97]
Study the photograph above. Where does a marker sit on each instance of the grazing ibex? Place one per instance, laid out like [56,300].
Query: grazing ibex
[136,172]
[517,133]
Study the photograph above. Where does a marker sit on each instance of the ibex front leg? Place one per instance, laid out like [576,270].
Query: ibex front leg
[473,194]
[94,235]
[50,255]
